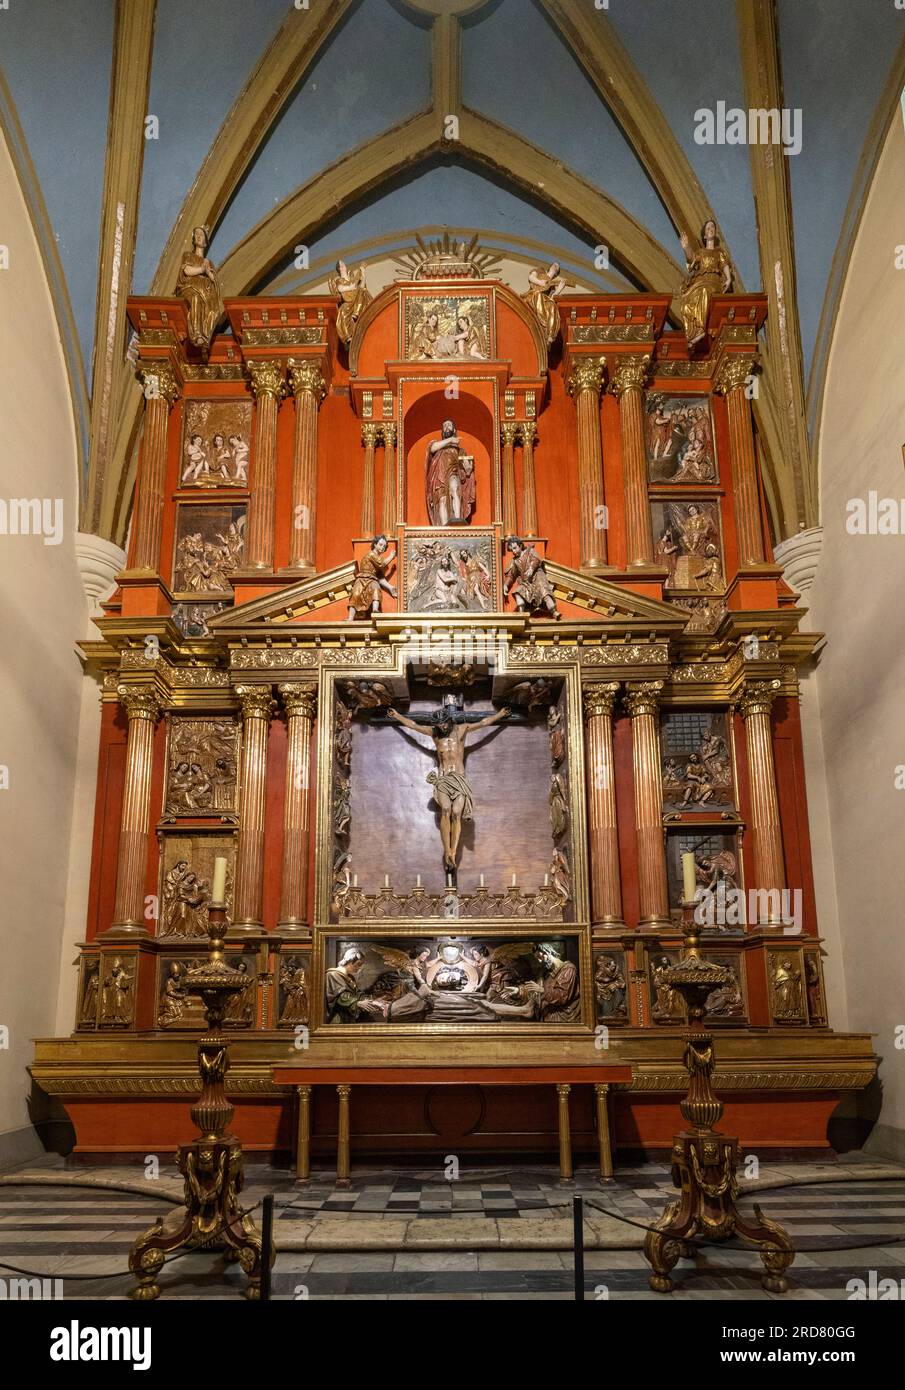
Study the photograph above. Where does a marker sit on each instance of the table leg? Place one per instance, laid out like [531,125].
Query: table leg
[342,1138]
[602,1092]
[303,1134]
[565,1134]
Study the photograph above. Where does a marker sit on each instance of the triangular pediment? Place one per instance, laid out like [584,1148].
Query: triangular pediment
[599,599]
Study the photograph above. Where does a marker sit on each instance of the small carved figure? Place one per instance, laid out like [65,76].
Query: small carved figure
[364,600]
[294,981]
[558,1001]
[561,875]
[240,1006]
[526,579]
[559,806]
[185,902]
[816,1011]
[609,988]
[543,287]
[342,734]
[726,1001]
[476,577]
[116,1008]
[452,792]
[342,881]
[533,694]
[708,273]
[350,289]
[367,695]
[342,806]
[199,286]
[557,735]
[174,997]
[449,479]
[787,998]
[667,1002]
[88,1011]
[711,870]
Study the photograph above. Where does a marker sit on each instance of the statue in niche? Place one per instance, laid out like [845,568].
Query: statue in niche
[294,981]
[711,870]
[526,579]
[364,600]
[354,297]
[116,1008]
[174,997]
[815,993]
[199,286]
[452,792]
[609,988]
[449,479]
[342,735]
[367,695]
[185,902]
[708,273]
[240,1006]
[561,875]
[533,694]
[557,735]
[88,1011]
[786,980]
[342,880]
[726,1001]
[543,287]
[559,806]
[667,1002]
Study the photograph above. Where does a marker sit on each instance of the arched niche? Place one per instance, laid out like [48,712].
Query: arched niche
[425,409]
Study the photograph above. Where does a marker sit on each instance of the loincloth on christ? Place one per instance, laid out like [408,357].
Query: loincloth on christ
[455,786]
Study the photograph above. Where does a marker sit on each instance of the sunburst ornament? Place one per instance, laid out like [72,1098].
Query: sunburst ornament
[447,258]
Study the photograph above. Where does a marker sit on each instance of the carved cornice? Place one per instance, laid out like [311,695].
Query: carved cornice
[266,379]
[757,697]
[592,333]
[851,1079]
[283,337]
[586,375]
[643,698]
[299,699]
[307,377]
[600,699]
[139,702]
[256,701]
[629,374]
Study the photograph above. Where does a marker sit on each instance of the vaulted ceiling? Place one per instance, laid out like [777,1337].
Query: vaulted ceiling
[324,125]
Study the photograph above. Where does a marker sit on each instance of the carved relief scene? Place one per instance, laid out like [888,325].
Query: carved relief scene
[679,440]
[209,545]
[216,442]
[688,543]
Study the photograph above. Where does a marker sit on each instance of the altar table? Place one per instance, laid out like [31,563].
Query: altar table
[303,1079]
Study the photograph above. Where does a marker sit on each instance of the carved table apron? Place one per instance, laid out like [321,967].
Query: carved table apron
[343,1078]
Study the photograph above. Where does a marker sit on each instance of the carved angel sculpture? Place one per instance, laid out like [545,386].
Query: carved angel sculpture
[543,287]
[709,273]
[199,286]
[353,295]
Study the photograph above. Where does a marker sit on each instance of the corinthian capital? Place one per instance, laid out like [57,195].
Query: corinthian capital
[306,376]
[508,433]
[370,434]
[158,381]
[266,379]
[629,373]
[643,698]
[256,701]
[139,702]
[757,697]
[733,372]
[600,699]
[586,375]
[299,698]
[389,435]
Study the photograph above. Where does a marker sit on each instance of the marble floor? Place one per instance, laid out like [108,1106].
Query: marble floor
[491,1234]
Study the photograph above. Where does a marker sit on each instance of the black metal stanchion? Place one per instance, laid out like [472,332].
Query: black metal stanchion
[266,1245]
[578,1244]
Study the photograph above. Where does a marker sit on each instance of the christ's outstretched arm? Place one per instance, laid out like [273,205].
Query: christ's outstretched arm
[491,719]
[410,723]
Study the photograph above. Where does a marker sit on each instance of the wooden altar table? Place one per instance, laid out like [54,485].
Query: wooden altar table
[564,1077]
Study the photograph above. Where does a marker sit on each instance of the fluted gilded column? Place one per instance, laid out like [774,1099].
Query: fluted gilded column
[257,707]
[267,385]
[603,834]
[160,389]
[369,437]
[585,382]
[756,704]
[508,436]
[643,704]
[732,378]
[388,508]
[143,710]
[628,378]
[299,700]
[308,387]
[529,489]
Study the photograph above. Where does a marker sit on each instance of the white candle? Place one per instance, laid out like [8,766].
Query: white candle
[689,877]
[546,880]
[513,880]
[218,888]
[355,880]
[482,880]
[386,880]
[418,881]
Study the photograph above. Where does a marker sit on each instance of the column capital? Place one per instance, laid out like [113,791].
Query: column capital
[266,379]
[757,697]
[389,434]
[256,701]
[629,373]
[734,371]
[370,434]
[643,698]
[509,430]
[139,702]
[527,432]
[306,375]
[299,698]
[586,375]
[600,699]
[159,382]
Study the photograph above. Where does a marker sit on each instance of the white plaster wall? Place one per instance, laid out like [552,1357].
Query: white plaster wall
[858,600]
[42,612]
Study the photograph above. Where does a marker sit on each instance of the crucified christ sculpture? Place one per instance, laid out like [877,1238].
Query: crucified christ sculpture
[452,792]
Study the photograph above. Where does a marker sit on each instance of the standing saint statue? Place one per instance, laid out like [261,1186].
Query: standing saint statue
[452,792]
[543,287]
[364,599]
[353,295]
[449,479]
[709,273]
[199,286]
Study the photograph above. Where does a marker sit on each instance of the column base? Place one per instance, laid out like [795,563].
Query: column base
[607,925]
[245,929]
[293,928]
[125,931]
[595,567]
[298,571]
[659,924]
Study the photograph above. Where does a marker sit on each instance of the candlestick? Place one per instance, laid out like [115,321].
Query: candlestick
[689,877]
[218,887]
